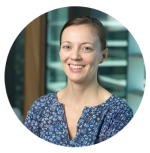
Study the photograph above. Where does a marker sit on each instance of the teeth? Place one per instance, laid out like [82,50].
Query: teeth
[76,66]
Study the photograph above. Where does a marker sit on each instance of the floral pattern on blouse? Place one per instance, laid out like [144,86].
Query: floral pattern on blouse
[46,119]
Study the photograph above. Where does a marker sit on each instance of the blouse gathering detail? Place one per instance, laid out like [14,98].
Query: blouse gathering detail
[46,119]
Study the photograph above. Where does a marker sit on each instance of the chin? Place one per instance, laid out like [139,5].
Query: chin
[76,80]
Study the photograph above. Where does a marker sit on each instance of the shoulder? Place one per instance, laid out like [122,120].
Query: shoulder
[43,101]
[118,103]
[112,100]
[38,107]
[119,110]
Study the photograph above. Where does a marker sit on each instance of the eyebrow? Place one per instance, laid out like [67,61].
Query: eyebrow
[81,43]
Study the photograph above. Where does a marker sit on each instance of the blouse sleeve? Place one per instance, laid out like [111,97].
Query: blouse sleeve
[114,124]
[33,117]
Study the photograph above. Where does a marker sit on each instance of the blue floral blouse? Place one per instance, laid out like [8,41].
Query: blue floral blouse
[46,118]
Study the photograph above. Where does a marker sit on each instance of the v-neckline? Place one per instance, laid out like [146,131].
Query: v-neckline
[85,107]
[65,119]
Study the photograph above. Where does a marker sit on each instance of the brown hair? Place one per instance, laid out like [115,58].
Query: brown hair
[95,24]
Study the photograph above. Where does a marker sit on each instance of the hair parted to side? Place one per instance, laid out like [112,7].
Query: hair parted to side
[95,24]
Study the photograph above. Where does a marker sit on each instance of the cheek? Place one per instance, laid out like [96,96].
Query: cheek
[63,56]
[92,59]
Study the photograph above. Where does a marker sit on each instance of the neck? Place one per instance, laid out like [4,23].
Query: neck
[81,94]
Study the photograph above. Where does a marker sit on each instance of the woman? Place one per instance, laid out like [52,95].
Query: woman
[83,113]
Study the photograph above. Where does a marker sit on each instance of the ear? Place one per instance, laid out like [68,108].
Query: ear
[104,55]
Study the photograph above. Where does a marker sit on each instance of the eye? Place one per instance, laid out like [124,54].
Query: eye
[66,47]
[87,48]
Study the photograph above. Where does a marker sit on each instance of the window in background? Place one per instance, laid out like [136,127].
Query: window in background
[14,75]
[55,76]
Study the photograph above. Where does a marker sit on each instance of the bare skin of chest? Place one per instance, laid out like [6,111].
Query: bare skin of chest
[72,117]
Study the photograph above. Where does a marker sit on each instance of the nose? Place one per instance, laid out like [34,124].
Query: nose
[75,54]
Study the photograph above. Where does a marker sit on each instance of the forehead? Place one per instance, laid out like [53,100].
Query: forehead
[83,32]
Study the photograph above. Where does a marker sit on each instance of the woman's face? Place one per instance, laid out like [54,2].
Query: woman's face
[80,53]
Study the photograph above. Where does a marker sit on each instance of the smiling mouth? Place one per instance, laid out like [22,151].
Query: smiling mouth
[76,66]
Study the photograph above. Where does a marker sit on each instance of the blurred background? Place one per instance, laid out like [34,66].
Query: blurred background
[33,66]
